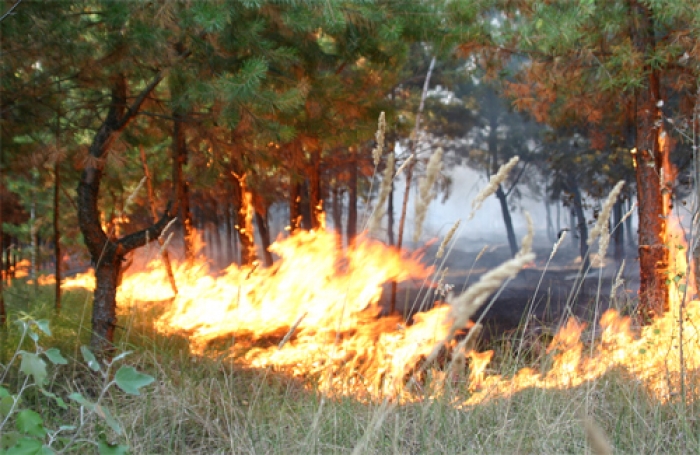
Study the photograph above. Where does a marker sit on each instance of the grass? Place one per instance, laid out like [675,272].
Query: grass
[212,405]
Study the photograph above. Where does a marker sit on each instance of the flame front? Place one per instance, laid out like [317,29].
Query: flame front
[663,355]
[315,315]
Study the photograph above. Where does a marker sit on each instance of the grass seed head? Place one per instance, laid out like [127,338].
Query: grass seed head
[604,216]
[425,196]
[385,189]
[494,182]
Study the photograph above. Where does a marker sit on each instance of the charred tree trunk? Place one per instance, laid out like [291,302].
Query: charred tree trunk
[500,194]
[316,214]
[551,234]
[294,206]
[573,228]
[182,198]
[57,236]
[618,234]
[4,269]
[558,216]
[108,253]
[507,220]
[228,226]
[56,216]
[390,213]
[582,226]
[337,208]
[264,230]
[216,223]
[351,230]
[34,232]
[305,206]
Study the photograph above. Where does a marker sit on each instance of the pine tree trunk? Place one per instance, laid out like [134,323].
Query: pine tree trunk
[107,253]
[57,235]
[558,216]
[264,230]
[337,209]
[551,235]
[228,232]
[56,214]
[650,158]
[4,268]
[618,234]
[390,213]
[305,205]
[34,252]
[573,227]
[219,256]
[180,159]
[294,207]
[582,226]
[315,200]
[351,230]
[507,220]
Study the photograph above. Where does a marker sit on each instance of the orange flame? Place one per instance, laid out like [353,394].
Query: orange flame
[315,314]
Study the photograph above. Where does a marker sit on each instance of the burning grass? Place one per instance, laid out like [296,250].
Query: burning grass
[295,358]
[205,404]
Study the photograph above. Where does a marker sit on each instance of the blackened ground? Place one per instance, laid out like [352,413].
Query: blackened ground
[549,295]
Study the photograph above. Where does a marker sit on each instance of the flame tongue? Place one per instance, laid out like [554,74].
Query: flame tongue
[311,286]
[324,301]
[322,305]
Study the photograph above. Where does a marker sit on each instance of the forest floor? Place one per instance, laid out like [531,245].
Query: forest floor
[206,405]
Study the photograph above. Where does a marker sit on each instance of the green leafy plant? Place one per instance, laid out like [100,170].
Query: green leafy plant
[28,431]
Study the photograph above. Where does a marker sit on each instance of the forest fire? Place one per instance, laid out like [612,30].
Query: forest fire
[315,315]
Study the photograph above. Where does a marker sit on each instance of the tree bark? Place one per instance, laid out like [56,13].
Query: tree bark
[180,158]
[4,270]
[650,155]
[228,229]
[216,232]
[264,230]
[618,234]
[337,209]
[108,253]
[390,212]
[573,227]
[34,252]
[551,234]
[315,200]
[581,226]
[294,206]
[507,220]
[56,216]
[351,230]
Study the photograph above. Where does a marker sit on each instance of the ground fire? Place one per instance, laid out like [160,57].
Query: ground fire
[315,315]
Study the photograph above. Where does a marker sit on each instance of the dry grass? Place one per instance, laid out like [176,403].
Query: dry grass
[204,406]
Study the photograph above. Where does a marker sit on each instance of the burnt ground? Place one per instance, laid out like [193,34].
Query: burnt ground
[550,295]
